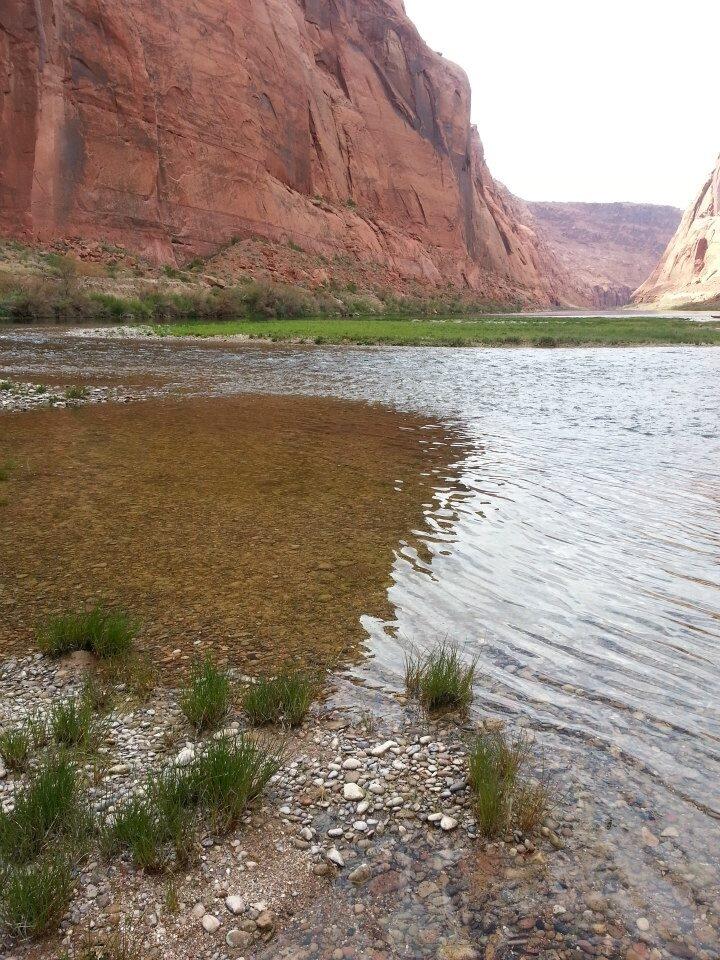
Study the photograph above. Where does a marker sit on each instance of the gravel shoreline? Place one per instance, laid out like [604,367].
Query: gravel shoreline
[19,397]
[364,846]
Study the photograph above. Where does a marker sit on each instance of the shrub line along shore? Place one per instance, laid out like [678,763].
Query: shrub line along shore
[115,287]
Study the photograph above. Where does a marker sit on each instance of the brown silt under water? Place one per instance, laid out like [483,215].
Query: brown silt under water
[260,527]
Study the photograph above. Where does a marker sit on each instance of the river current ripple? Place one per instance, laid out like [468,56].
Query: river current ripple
[573,549]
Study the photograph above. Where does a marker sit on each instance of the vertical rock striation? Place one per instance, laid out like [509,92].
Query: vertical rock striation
[173,126]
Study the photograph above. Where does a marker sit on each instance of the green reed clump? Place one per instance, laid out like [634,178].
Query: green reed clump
[440,679]
[34,897]
[285,698]
[504,794]
[220,783]
[108,634]
[206,702]
[71,722]
[98,693]
[141,829]
[76,393]
[15,746]
[49,809]
[160,821]
[229,774]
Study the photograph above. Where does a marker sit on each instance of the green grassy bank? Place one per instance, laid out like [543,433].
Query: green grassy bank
[484,331]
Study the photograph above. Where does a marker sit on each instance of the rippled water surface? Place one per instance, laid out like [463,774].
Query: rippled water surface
[573,547]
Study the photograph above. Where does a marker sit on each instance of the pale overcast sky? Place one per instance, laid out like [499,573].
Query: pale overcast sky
[580,100]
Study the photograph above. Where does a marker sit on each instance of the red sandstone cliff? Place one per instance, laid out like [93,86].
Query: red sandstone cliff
[608,248]
[170,127]
[689,271]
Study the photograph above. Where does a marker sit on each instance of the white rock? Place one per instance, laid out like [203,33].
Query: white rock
[185,757]
[352,763]
[435,817]
[448,823]
[210,923]
[643,924]
[235,905]
[363,806]
[382,748]
[198,911]
[360,826]
[333,855]
[351,791]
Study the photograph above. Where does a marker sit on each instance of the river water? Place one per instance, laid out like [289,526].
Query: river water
[573,548]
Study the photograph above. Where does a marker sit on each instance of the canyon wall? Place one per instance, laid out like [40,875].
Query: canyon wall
[689,271]
[172,127]
[608,248]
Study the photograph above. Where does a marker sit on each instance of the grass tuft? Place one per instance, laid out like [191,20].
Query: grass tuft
[221,781]
[229,775]
[440,678]
[48,809]
[98,693]
[285,698]
[35,897]
[206,702]
[107,633]
[15,748]
[162,819]
[137,828]
[76,393]
[504,795]
[71,722]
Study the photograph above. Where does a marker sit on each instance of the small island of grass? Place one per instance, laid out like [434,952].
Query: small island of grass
[484,331]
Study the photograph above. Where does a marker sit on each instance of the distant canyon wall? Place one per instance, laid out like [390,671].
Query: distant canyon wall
[171,127]
[689,270]
[608,248]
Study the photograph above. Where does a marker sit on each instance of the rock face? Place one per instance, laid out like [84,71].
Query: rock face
[689,271]
[171,127]
[608,248]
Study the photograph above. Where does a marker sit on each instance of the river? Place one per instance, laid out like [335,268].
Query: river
[572,547]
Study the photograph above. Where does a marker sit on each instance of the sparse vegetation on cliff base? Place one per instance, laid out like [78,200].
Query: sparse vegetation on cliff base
[251,279]
[485,331]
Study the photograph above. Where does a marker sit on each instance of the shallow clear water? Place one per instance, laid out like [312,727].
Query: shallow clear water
[573,548]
